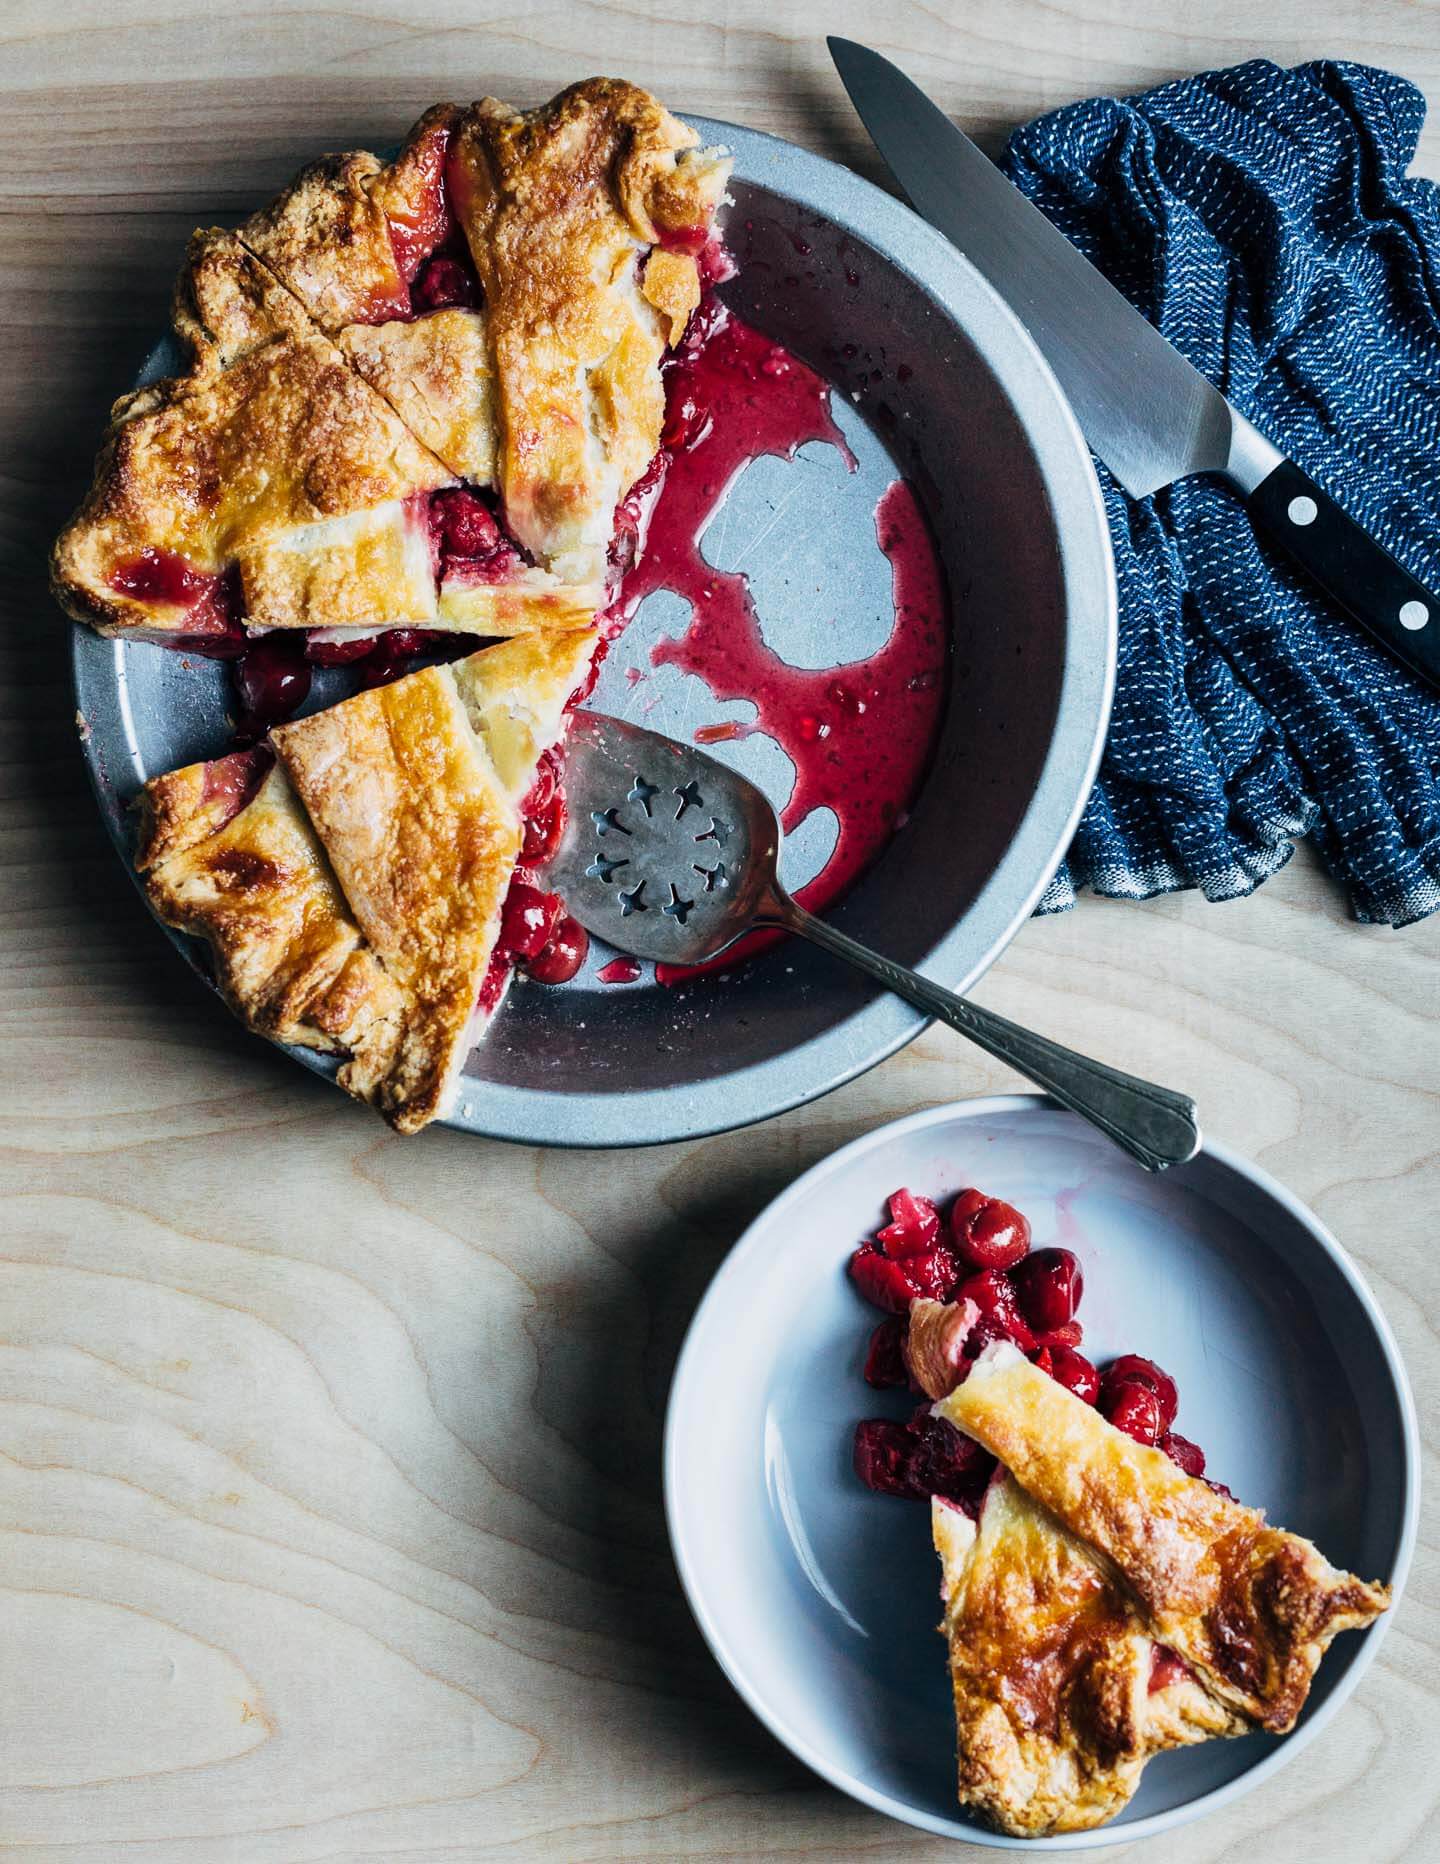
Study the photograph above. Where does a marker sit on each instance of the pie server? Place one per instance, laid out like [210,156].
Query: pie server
[669,854]
[1148,413]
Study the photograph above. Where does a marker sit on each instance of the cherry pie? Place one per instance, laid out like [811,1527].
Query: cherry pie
[1061,1691]
[417,397]
[354,878]
[489,311]
[1102,1599]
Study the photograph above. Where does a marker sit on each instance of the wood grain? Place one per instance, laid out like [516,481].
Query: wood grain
[329,1513]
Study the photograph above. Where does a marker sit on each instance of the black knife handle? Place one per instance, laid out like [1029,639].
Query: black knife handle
[1350,566]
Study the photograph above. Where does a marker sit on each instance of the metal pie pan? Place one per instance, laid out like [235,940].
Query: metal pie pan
[934,378]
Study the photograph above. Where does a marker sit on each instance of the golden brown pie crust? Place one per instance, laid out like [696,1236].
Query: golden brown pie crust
[423,839]
[1249,1607]
[210,466]
[351,896]
[552,391]
[558,206]
[1051,1668]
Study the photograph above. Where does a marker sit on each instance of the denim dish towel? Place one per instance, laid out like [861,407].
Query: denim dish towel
[1262,218]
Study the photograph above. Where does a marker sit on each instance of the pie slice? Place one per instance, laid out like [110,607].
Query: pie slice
[491,308]
[352,893]
[350,234]
[284,467]
[1249,1608]
[583,219]
[1061,1692]
[226,852]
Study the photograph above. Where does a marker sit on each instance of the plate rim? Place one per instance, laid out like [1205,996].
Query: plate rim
[687,1378]
[880,1027]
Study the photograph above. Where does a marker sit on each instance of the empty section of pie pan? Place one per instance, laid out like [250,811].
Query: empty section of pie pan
[937,381]
[820,1600]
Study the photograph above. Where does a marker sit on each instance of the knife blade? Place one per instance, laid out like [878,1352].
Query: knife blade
[1149,414]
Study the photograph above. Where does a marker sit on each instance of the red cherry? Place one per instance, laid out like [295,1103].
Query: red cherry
[272,679]
[914,1225]
[1130,1367]
[465,524]
[944,1461]
[1041,1358]
[1075,1373]
[1189,1456]
[543,830]
[932,1272]
[1071,1334]
[444,281]
[528,920]
[563,956]
[882,1282]
[340,652]
[992,1293]
[881,1456]
[885,1356]
[988,1232]
[1048,1286]
[1133,1408]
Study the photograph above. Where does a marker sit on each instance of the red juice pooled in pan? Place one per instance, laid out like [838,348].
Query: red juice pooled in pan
[859,736]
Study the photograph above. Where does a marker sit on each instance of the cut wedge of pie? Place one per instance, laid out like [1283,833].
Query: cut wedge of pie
[417,391]
[1251,1608]
[1061,1692]
[1106,1604]
[352,883]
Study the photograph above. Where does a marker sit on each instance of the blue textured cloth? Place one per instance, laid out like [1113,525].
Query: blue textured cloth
[1262,218]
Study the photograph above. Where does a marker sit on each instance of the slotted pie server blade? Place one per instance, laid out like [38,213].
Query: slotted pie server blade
[669,855]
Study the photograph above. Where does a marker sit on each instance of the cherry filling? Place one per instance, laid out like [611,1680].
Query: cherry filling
[428,223]
[446,281]
[272,682]
[469,540]
[979,1250]
[160,576]
[230,782]
[536,935]
[924,1457]
[1165,1667]
[431,252]
[213,602]
[414,238]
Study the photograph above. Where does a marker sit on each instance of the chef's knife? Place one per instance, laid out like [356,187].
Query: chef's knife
[1148,413]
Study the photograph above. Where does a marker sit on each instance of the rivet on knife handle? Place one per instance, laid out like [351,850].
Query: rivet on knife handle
[1349,565]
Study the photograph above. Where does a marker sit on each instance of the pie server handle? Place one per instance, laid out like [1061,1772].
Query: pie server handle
[1153,1124]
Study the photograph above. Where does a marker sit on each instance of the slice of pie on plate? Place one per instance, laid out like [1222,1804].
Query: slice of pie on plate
[352,892]
[1061,1693]
[417,391]
[1249,1607]
[1105,1605]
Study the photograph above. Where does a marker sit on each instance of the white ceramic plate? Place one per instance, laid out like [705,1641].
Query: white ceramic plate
[820,1600]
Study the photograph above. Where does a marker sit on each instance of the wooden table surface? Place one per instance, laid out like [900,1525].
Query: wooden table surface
[330,1519]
